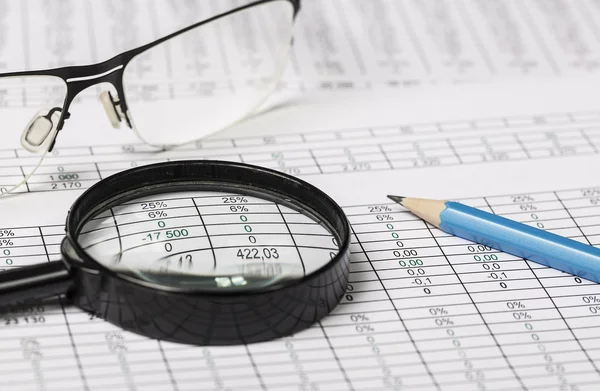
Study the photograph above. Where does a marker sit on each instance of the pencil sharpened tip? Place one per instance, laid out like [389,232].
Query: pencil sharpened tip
[397,199]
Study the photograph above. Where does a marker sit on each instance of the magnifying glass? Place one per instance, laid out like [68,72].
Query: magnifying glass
[198,252]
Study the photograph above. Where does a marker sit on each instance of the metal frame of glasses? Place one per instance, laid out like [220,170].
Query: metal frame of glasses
[45,126]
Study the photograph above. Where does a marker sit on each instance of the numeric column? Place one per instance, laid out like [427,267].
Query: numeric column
[439,316]
[519,306]
[21,247]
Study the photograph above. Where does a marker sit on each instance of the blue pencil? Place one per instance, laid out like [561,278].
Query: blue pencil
[508,236]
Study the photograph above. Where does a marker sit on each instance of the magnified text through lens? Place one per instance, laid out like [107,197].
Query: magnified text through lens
[208,240]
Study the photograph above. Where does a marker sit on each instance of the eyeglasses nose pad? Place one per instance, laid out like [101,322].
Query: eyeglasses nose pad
[112,107]
[41,130]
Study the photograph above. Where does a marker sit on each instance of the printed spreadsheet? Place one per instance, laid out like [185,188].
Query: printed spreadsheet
[422,310]
[339,44]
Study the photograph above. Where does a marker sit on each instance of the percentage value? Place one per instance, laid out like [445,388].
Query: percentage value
[444,322]
[154,205]
[522,198]
[359,318]
[384,217]
[527,207]
[591,299]
[515,305]
[6,242]
[159,214]
[364,328]
[380,208]
[438,311]
[595,309]
[238,208]
[235,200]
[521,315]
[6,232]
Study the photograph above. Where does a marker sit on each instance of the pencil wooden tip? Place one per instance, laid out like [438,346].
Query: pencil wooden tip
[397,199]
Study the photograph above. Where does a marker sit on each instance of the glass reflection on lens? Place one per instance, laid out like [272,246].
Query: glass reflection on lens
[208,239]
[210,77]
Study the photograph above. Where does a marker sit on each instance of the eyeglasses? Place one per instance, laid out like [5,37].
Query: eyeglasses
[181,102]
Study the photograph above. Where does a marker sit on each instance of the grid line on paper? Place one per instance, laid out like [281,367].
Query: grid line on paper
[525,151]
[546,291]
[559,310]
[44,243]
[336,358]
[565,322]
[312,155]
[385,156]
[587,138]
[167,366]
[454,151]
[287,227]
[550,297]
[74,347]
[464,15]
[205,229]
[412,52]
[480,315]
[96,165]
[572,219]
[304,154]
[255,367]
[434,381]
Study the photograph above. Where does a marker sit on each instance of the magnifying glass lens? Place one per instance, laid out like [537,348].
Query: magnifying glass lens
[209,240]
[202,252]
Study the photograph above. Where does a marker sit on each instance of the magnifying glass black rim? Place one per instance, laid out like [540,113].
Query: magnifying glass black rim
[212,175]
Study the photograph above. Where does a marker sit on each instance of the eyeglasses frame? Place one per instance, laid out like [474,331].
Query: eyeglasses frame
[80,77]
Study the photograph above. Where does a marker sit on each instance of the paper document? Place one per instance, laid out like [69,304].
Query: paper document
[339,44]
[423,310]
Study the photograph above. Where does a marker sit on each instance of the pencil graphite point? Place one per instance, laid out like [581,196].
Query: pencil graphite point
[397,199]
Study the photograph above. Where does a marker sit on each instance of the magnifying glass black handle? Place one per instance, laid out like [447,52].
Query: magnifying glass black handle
[34,282]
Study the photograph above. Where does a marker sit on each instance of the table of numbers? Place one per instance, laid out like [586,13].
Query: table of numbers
[341,45]
[423,310]
[208,234]
[395,147]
